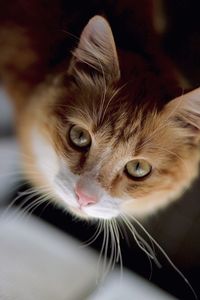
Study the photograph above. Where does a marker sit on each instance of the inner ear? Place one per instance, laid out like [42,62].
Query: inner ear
[96,51]
[185,112]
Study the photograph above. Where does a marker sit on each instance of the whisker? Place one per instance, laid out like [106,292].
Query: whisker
[31,192]
[123,228]
[102,247]
[93,238]
[142,244]
[106,249]
[71,35]
[113,255]
[119,254]
[166,256]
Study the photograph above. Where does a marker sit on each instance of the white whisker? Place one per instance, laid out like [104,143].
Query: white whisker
[165,255]
[94,236]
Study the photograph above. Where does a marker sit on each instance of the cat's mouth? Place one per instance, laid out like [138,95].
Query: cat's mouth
[78,211]
[98,210]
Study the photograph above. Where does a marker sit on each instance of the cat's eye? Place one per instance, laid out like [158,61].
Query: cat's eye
[79,137]
[138,168]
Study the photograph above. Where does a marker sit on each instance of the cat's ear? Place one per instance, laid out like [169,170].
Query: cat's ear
[96,51]
[185,110]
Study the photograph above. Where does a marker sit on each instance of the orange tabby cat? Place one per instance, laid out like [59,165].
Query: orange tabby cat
[102,134]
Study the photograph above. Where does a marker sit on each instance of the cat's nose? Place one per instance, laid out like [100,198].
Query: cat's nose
[83,198]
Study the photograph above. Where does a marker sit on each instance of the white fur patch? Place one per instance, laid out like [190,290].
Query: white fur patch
[45,156]
[62,182]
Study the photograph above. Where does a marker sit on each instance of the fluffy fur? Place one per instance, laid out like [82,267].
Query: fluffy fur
[128,102]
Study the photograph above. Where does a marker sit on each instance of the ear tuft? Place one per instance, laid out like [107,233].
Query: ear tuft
[186,109]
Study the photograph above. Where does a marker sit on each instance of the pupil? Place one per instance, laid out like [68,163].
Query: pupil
[137,166]
[80,135]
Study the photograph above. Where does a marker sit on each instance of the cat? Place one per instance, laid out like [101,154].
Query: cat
[106,131]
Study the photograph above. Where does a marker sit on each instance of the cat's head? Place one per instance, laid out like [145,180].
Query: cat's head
[97,150]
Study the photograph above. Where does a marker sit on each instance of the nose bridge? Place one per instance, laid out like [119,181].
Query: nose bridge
[87,190]
[114,162]
[103,165]
[94,177]
[87,180]
[95,161]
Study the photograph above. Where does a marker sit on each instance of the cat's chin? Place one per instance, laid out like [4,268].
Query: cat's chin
[77,212]
[92,213]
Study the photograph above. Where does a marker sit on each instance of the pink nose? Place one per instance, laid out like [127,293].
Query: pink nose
[83,198]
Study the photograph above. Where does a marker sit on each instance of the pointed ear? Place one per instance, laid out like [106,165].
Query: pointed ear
[185,110]
[96,51]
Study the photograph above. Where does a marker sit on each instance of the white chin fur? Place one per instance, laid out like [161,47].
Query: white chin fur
[61,181]
[100,212]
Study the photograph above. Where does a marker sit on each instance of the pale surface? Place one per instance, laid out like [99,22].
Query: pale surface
[130,287]
[10,172]
[40,263]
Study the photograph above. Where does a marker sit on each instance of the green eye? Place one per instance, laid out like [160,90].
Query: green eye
[138,168]
[79,136]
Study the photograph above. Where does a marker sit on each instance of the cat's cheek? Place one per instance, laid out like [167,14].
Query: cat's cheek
[45,158]
[53,172]
[64,186]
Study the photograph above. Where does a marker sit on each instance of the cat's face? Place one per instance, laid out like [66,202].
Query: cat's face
[101,157]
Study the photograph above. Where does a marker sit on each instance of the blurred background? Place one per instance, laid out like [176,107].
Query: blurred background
[26,241]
